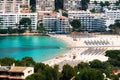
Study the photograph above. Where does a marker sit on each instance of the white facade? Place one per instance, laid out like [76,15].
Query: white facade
[45,5]
[49,22]
[55,23]
[71,4]
[11,19]
[88,21]
[77,14]
[111,1]
[15,72]
[91,23]
[113,14]
[63,25]
[76,4]
[12,6]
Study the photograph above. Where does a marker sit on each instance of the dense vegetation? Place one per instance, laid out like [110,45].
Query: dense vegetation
[33,5]
[94,70]
[116,26]
[58,4]
[84,4]
[76,25]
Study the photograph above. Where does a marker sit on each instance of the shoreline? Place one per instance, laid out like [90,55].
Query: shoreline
[81,48]
[87,53]
[25,34]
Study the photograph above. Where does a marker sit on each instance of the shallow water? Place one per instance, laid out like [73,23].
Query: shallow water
[40,48]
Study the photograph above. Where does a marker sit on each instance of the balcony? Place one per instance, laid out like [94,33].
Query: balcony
[16,77]
[3,76]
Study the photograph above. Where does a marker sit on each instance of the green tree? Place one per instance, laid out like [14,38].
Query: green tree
[76,24]
[96,64]
[33,5]
[36,76]
[25,22]
[89,74]
[107,3]
[84,4]
[95,2]
[28,61]
[82,65]
[58,4]
[117,3]
[50,73]
[41,29]
[7,61]
[93,10]
[114,57]
[68,72]
[65,14]
[57,73]
[33,9]
[39,67]
[116,26]
[114,77]
[102,4]
[9,30]
[112,53]
[117,23]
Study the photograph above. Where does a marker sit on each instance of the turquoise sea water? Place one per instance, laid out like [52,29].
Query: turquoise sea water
[40,48]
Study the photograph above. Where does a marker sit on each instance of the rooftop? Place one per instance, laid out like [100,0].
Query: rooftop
[17,69]
[4,68]
[13,68]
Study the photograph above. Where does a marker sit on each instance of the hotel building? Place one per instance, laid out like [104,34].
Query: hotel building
[88,21]
[13,6]
[63,25]
[15,72]
[76,4]
[97,6]
[56,23]
[50,21]
[113,14]
[45,5]
[77,14]
[11,19]
[98,1]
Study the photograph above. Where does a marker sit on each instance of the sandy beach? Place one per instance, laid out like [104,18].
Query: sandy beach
[84,48]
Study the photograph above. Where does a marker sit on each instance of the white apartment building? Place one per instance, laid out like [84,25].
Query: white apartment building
[13,6]
[41,14]
[71,4]
[15,72]
[63,25]
[45,5]
[98,1]
[77,14]
[49,22]
[97,6]
[76,4]
[11,19]
[54,23]
[88,21]
[92,23]
[113,14]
